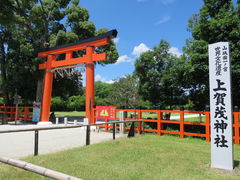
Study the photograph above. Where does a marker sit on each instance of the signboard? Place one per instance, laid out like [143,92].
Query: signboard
[105,112]
[16,99]
[220,106]
[36,111]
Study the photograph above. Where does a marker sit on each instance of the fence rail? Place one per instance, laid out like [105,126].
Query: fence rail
[160,122]
[9,113]
[37,129]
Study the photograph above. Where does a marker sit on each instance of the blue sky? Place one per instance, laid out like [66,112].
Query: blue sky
[141,24]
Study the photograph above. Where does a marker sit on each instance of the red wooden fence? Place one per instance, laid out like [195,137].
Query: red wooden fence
[25,113]
[181,121]
[9,112]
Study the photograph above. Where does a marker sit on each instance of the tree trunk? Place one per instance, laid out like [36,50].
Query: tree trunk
[39,93]
[4,74]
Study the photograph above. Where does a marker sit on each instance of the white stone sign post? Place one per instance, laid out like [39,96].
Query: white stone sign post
[220,106]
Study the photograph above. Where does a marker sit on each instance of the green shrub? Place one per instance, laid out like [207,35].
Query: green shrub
[76,103]
[1,101]
[58,104]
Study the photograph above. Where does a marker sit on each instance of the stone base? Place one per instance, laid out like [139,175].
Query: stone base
[44,123]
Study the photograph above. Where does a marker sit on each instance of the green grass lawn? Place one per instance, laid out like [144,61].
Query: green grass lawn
[147,157]
[71,113]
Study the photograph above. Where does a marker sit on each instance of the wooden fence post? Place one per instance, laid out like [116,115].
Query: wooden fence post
[106,125]
[182,122]
[88,135]
[159,124]
[114,130]
[236,124]
[139,123]
[36,143]
[207,124]
[26,114]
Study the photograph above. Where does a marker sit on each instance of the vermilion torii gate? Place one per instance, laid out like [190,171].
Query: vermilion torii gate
[88,59]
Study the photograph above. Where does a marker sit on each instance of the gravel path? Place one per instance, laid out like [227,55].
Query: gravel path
[21,144]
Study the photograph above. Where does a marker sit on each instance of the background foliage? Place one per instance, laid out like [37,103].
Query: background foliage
[160,80]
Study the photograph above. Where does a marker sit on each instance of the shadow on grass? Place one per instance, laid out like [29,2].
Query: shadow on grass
[236,164]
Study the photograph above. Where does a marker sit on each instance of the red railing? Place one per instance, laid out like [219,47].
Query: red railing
[182,120]
[9,112]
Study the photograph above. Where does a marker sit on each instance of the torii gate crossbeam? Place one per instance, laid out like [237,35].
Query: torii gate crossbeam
[89,58]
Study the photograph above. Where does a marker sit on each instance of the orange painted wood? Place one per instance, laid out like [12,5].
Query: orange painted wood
[139,117]
[194,123]
[182,124]
[51,63]
[149,130]
[236,127]
[106,125]
[170,132]
[89,85]
[170,122]
[150,120]
[23,112]
[74,61]
[47,92]
[26,113]
[207,127]
[96,43]
[159,121]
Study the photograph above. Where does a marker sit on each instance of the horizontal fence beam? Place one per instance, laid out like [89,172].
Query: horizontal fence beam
[160,121]
[181,122]
[36,130]
[37,169]
[65,126]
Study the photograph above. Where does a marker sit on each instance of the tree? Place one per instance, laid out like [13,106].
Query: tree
[26,26]
[102,89]
[218,20]
[124,92]
[159,77]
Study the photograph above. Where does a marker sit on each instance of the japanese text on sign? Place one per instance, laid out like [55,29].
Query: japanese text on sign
[221,106]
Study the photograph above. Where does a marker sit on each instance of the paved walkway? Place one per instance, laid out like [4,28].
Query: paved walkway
[21,144]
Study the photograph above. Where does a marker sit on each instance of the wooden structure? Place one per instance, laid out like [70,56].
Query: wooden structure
[37,169]
[182,123]
[9,113]
[87,60]
[159,121]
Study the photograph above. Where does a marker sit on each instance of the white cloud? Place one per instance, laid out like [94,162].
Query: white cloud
[110,81]
[116,40]
[165,2]
[163,20]
[175,51]
[141,48]
[124,58]
[98,77]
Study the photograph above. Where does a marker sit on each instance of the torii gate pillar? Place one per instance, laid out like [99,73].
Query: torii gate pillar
[89,101]
[88,59]
[47,94]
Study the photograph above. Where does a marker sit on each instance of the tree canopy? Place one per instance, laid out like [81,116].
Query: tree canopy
[26,26]
[159,78]
[218,20]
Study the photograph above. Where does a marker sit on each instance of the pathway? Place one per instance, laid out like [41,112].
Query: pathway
[21,144]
